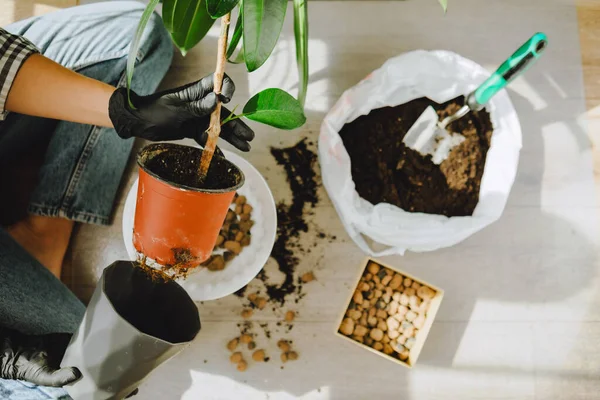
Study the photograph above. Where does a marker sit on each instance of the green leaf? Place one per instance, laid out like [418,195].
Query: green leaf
[235,38]
[188,21]
[444,4]
[262,20]
[168,13]
[135,44]
[301,35]
[275,107]
[218,8]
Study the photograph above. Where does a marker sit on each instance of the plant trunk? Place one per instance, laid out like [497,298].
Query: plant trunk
[214,129]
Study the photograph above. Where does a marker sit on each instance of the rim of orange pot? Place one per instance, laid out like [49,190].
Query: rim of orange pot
[156,146]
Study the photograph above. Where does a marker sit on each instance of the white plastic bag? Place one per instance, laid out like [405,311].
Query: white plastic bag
[441,76]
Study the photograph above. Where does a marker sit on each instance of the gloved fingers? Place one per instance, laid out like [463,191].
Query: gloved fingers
[201,88]
[228,133]
[46,376]
[204,106]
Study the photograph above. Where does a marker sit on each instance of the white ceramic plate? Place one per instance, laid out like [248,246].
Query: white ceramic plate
[203,284]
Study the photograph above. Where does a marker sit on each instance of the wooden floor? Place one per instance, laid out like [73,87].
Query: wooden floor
[521,315]
[520,319]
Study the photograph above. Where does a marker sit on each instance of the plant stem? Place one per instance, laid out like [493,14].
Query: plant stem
[214,129]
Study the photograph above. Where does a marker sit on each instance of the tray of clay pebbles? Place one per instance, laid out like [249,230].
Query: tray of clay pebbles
[390,313]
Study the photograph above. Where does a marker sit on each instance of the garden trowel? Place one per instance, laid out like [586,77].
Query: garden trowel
[429,135]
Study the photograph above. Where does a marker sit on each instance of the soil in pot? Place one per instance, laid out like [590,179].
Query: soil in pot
[179,165]
[385,170]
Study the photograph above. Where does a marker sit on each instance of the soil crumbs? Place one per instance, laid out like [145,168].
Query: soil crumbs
[299,163]
[385,170]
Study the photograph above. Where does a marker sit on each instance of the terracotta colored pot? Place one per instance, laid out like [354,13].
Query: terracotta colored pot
[175,224]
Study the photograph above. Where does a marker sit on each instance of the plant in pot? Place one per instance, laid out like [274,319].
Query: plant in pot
[184,192]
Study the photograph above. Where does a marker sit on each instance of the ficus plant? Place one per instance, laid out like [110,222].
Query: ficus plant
[256,32]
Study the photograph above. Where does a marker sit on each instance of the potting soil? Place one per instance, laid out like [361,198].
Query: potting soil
[179,165]
[385,170]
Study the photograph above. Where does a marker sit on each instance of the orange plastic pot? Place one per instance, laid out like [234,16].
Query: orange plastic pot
[178,225]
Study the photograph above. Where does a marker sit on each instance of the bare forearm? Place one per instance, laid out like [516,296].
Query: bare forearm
[44,88]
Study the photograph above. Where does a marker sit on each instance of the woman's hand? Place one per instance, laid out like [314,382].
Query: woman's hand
[179,113]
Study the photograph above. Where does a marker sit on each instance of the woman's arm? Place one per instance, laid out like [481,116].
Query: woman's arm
[44,88]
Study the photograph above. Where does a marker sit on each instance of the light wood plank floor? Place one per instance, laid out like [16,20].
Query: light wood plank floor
[521,316]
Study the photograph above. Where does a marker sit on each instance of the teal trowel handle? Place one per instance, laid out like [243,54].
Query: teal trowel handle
[516,64]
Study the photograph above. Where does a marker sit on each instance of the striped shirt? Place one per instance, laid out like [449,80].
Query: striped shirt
[14,50]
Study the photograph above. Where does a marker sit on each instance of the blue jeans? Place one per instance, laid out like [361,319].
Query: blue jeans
[83,164]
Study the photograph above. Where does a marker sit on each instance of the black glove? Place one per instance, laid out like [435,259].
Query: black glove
[35,359]
[176,114]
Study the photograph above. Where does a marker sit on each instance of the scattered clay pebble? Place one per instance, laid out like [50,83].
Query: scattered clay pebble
[260,302]
[410,291]
[220,240]
[392,323]
[364,287]
[284,357]
[393,308]
[387,349]
[363,320]
[398,348]
[289,316]
[360,339]
[404,299]
[407,282]
[246,313]
[233,247]
[376,334]
[240,200]
[386,280]
[285,346]
[358,297]
[232,345]
[366,304]
[308,277]
[402,339]
[381,325]
[372,321]
[410,342]
[245,338]
[378,346]
[381,314]
[247,209]
[393,334]
[425,293]
[396,282]
[258,355]
[245,241]
[347,327]
[360,330]
[292,355]
[373,268]
[242,366]
[252,297]
[354,314]
[416,285]
[236,357]
[216,263]
[419,321]
[404,355]
[411,315]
